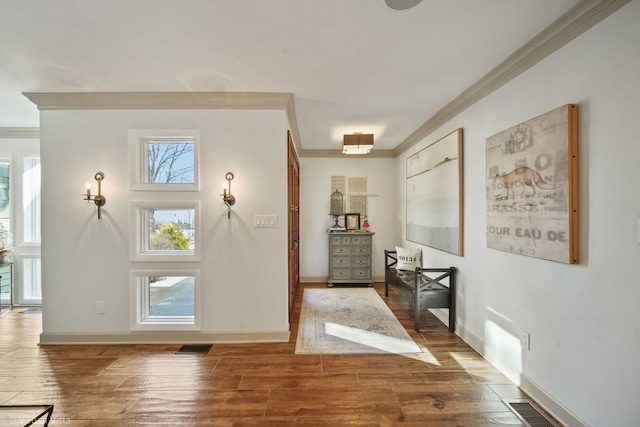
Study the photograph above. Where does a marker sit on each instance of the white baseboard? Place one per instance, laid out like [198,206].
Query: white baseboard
[183,337]
[539,395]
[323,279]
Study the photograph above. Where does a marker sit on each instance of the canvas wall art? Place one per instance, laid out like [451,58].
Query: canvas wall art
[434,195]
[532,187]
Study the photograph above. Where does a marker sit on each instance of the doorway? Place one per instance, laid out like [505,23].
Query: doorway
[293,191]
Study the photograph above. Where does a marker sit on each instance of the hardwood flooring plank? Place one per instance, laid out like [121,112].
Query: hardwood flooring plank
[333,401]
[163,364]
[280,364]
[60,383]
[333,363]
[173,383]
[199,404]
[391,379]
[299,381]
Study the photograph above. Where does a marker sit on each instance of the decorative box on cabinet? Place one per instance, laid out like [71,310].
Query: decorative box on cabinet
[350,258]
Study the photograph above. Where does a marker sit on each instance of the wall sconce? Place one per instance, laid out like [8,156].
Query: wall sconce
[228,198]
[98,199]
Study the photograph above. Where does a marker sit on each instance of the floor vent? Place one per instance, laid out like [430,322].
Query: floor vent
[530,415]
[195,348]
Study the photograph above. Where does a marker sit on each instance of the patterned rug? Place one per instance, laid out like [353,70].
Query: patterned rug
[350,320]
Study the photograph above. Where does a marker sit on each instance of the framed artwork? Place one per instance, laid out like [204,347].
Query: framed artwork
[434,195]
[532,187]
[352,221]
[358,204]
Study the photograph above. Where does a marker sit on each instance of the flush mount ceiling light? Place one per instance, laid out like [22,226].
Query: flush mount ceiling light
[401,4]
[357,143]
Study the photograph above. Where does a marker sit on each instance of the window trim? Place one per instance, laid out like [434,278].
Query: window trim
[138,167]
[139,231]
[139,299]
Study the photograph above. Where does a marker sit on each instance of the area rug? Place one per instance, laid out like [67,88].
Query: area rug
[349,320]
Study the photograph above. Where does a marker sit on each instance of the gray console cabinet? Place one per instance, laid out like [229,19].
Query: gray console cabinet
[350,258]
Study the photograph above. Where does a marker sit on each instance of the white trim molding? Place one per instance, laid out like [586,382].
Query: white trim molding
[152,337]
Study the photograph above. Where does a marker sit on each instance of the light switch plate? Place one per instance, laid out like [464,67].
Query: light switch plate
[262,221]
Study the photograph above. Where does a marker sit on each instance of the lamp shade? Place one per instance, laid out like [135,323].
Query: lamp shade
[358,143]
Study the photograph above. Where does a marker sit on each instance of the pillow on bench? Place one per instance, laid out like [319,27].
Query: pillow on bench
[408,259]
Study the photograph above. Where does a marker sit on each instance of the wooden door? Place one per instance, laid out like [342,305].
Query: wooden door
[294,221]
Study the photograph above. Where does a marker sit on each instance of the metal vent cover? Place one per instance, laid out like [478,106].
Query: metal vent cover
[530,415]
[195,348]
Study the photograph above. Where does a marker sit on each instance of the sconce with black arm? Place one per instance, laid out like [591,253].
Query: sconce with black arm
[228,198]
[98,199]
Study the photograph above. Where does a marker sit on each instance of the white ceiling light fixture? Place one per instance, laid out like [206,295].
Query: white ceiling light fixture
[357,143]
[402,4]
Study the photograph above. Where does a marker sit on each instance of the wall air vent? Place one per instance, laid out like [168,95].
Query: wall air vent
[195,348]
[530,415]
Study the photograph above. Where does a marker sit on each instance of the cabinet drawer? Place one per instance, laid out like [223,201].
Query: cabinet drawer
[335,240]
[360,250]
[340,250]
[341,261]
[361,273]
[341,273]
[360,261]
[345,240]
[5,273]
[341,240]
[360,240]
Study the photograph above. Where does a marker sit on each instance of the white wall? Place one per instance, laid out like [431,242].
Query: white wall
[315,197]
[583,319]
[243,269]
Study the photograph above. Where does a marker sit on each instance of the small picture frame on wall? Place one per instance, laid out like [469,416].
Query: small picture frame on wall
[352,221]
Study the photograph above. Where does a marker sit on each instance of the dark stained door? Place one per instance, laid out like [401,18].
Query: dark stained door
[294,221]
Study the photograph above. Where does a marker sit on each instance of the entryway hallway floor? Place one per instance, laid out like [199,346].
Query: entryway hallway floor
[255,384]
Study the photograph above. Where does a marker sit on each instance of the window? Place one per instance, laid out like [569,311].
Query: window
[164,160]
[165,300]
[165,230]
[170,230]
[31,199]
[30,269]
[168,161]
[5,211]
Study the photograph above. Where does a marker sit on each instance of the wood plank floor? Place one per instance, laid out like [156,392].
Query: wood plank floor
[254,384]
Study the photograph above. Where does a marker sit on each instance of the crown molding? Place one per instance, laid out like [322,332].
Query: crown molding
[160,100]
[577,20]
[19,133]
[170,101]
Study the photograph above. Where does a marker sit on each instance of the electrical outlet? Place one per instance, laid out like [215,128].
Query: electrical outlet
[101,307]
[524,339]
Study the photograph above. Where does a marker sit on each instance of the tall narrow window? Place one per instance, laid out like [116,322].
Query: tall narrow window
[5,211]
[31,199]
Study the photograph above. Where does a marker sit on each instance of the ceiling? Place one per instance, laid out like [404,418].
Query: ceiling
[351,65]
